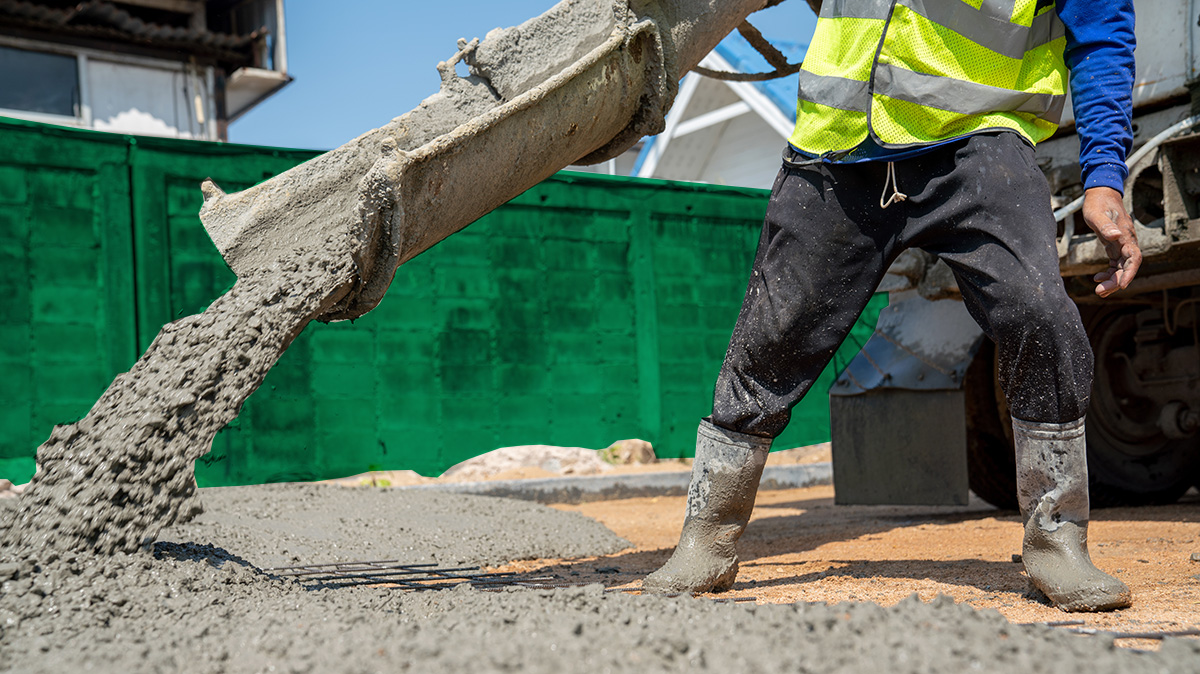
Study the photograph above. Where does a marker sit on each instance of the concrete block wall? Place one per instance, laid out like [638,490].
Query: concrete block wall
[65,284]
[587,310]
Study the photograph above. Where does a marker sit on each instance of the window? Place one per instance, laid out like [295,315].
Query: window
[261,14]
[39,82]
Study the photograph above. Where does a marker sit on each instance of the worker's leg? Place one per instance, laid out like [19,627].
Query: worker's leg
[823,250]
[724,482]
[990,220]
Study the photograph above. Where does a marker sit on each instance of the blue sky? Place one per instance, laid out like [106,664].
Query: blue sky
[359,63]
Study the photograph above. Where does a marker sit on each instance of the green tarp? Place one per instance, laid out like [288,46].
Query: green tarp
[587,310]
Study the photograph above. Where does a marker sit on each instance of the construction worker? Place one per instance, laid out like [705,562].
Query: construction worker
[915,127]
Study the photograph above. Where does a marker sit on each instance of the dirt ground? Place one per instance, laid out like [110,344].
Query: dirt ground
[801,547]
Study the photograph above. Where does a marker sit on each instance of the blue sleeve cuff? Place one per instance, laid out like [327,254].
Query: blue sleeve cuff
[1106,175]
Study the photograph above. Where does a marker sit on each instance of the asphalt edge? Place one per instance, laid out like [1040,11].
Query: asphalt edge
[588,488]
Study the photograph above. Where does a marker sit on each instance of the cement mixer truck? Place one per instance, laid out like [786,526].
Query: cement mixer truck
[918,416]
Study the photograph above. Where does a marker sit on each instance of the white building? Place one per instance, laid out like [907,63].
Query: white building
[176,68]
[720,132]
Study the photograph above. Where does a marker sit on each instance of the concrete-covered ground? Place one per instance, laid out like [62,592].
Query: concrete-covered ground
[199,602]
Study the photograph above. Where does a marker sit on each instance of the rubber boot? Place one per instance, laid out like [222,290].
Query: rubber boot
[725,478]
[1052,490]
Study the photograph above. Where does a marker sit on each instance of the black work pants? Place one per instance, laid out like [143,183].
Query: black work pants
[980,204]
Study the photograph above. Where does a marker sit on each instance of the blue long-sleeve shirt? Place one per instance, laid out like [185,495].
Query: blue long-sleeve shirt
[1099,54]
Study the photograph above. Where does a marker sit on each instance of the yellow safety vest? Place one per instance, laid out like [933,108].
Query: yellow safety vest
[915,72]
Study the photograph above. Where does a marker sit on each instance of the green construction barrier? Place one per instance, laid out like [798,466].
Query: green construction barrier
[587,310]
[66,281]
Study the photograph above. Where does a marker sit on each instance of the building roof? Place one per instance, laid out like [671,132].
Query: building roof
[105,20]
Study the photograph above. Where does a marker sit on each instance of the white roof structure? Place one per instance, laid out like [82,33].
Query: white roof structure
[721,132]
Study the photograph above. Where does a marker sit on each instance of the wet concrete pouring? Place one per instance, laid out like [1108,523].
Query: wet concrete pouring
[112,561]
[199,600]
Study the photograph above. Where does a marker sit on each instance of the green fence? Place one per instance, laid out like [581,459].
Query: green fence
[587,310]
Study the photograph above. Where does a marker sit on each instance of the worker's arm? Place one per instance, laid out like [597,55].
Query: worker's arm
[1099,54]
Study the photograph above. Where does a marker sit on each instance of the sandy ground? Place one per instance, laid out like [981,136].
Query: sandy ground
[801,547]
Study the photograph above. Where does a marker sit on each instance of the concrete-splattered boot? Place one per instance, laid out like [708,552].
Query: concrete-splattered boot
[1052,489]
[721,495]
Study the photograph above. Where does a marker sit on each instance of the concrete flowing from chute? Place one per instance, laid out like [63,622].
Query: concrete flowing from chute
[109,482]
[581,82]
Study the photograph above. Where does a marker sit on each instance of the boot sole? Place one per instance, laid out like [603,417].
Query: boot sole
[724,581]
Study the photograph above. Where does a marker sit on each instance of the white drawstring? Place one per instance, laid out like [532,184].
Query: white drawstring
[890,182]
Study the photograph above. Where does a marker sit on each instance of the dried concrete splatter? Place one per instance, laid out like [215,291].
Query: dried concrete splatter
[111,481]
[80,590]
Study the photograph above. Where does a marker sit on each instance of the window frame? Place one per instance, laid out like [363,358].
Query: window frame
[84,56]
[83,117]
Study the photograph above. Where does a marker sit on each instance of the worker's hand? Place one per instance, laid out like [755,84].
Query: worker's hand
[1104,212]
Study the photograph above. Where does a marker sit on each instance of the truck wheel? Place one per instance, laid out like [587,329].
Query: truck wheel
[991,466]
[1131,459]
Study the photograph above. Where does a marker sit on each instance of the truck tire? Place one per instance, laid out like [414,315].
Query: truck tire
[1125,466]
[1131,461]
[991,465]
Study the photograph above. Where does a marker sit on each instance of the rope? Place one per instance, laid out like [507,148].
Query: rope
[890,183]
[774,58]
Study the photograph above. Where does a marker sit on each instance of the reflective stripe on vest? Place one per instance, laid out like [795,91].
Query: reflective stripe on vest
[916,72]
